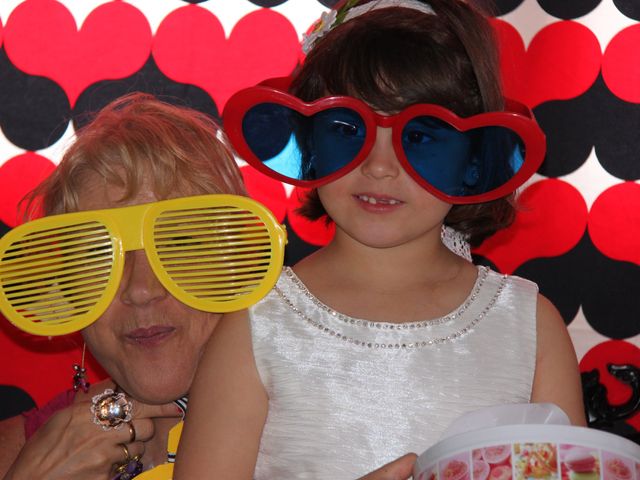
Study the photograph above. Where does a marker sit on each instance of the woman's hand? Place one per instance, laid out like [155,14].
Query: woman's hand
[71,446]
[399,469]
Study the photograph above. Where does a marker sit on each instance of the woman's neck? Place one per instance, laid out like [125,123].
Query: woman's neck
[156,447]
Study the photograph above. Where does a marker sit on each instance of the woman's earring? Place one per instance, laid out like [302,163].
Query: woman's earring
[80,375]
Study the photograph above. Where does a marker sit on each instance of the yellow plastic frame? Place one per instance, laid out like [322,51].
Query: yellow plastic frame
[164,471]
[132,228]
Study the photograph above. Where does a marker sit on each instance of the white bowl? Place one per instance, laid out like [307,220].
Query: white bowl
[531,452]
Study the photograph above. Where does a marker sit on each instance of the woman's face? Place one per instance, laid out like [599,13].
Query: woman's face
[147,341]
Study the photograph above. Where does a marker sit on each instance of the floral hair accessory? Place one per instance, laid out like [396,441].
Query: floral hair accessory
[350,10]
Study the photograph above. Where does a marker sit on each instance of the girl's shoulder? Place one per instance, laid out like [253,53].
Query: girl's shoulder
[513,290]
[516,281]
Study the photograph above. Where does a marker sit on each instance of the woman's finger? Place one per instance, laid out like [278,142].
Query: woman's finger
[133,434]
[144,410]
[125,452]
[129,457]
[130,432]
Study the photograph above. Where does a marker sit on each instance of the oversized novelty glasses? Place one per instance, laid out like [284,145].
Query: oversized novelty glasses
[459,160]
[216,253]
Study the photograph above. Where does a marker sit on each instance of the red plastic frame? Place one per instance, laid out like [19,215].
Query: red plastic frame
[517,118]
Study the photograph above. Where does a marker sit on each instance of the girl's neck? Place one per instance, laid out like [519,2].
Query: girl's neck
[420,262]
[398,284]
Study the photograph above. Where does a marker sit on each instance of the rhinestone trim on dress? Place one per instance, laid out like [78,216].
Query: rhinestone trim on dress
[482,275]
[378,325]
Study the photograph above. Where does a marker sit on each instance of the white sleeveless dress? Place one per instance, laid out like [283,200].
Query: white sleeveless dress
[348,395]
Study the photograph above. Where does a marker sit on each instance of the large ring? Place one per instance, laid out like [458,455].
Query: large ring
[111,409]
[132,432]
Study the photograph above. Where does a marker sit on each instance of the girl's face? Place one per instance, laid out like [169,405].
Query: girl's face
[379,205]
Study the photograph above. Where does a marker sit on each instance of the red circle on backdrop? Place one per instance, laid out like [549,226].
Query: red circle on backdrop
[619,64]
[191,46]
[562,62]
[550,220]
[18,176]
[42,366]
[41,38]
[614,222]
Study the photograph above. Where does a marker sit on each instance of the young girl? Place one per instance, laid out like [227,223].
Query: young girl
[374,344]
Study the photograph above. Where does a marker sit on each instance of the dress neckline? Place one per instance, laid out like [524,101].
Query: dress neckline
[386,335]
[483,273]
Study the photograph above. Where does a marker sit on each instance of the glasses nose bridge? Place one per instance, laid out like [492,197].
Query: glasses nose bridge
[384,121]
[129,221]
[379,121]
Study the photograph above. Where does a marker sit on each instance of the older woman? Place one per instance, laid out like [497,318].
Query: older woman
[136,151]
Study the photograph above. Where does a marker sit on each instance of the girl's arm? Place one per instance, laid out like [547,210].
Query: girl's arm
[227,408]
[557,378]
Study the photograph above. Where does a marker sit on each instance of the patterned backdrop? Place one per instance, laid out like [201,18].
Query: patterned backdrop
[575,62]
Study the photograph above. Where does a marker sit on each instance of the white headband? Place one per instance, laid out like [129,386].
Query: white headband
[377,4]
[328,19]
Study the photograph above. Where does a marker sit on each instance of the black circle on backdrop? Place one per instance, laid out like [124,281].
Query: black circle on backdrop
[568,9]
[579,278]
[34,111]
[630,8]
[502,7]
[148,79]
[267,3]
[329,3]
[595,119]
[3,229]
[14,401]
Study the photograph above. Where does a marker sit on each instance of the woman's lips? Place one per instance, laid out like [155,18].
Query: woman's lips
[150,336]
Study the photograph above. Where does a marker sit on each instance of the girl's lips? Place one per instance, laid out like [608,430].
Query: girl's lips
[151,335]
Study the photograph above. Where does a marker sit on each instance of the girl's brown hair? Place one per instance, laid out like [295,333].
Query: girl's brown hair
[393,59]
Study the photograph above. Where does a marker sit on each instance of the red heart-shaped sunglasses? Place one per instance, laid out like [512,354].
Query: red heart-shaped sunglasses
[459,160]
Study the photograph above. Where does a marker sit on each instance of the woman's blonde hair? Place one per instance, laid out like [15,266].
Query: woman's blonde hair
[139,138]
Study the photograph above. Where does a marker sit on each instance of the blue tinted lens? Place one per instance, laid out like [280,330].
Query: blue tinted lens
[338,136]
[268,130]
[461,163]
[300,147]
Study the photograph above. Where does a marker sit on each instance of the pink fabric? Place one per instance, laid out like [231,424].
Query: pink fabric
[36,417]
